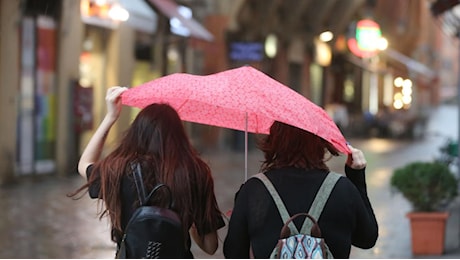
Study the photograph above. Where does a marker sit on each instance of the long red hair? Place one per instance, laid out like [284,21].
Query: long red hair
[158,141]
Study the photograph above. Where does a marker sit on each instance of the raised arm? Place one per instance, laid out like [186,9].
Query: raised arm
[366,232]
[93,149]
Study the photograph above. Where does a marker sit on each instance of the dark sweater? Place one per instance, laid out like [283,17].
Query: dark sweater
[347,218]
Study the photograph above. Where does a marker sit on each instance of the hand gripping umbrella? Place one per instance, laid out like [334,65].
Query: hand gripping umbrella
[244,99]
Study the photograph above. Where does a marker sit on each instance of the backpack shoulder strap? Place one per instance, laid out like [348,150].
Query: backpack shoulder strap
[144,198]
[137,175]
[320,200]
[158,186]
[277,199]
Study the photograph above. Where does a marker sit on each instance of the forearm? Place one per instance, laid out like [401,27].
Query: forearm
[208,243]
[358,178]
[366,228]
[94,148]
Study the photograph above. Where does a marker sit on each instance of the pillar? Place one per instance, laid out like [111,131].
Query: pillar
[68,57]
[10,18]
[120,67]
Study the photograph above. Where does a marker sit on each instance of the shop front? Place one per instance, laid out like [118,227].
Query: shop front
[36,121]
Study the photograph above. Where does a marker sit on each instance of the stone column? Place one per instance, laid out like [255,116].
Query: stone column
[69,40]
[120,67]
[10,18]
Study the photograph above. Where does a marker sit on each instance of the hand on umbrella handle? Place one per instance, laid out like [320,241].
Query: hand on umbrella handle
[113,101]
[356,159]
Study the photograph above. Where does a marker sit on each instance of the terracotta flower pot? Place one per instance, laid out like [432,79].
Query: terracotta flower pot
[428,231]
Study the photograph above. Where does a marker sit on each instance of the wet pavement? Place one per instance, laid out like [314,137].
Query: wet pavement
[39,221]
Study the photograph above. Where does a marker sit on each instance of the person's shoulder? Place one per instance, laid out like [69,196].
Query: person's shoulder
[343,180]
[251,185]
[344,184]
[254,180]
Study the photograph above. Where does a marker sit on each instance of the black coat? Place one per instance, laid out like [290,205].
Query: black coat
[347,218]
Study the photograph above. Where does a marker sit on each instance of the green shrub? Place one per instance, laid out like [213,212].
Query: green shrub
[427,185]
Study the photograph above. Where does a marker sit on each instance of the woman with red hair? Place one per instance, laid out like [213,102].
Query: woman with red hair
[156,140]
[295,165]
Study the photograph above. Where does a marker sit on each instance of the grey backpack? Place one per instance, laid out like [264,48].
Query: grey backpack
[308,243]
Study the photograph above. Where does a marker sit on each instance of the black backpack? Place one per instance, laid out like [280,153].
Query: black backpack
[152,232]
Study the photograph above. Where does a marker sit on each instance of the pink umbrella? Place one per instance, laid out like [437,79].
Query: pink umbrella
[244,99]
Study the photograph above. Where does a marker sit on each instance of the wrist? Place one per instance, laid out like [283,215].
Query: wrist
[110,118]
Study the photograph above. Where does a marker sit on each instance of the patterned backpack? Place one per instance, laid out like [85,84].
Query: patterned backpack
[308,243]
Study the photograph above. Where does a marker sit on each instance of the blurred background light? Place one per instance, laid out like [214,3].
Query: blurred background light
[271,45]
[326,36]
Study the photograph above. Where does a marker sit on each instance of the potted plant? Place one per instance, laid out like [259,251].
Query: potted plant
[429,187]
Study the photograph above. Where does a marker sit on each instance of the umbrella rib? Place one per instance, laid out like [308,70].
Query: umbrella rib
[179,108]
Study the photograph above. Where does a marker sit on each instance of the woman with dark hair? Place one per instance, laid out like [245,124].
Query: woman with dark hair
[295,164]
[156,140]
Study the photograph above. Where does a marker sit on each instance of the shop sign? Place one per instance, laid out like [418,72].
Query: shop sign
[365,36]
[246,51]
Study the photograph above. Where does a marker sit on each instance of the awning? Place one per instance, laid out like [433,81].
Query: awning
[365,65]
[141,16]
[411,64]
[171,10]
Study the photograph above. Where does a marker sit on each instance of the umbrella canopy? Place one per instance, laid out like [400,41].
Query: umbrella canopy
[244,99]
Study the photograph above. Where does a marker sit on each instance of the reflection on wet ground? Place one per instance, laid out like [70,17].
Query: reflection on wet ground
[39,221]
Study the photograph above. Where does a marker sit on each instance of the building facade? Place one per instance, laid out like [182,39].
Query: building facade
[57,58]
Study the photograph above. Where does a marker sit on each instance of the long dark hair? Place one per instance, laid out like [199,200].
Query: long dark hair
[157,140]
[287,145]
